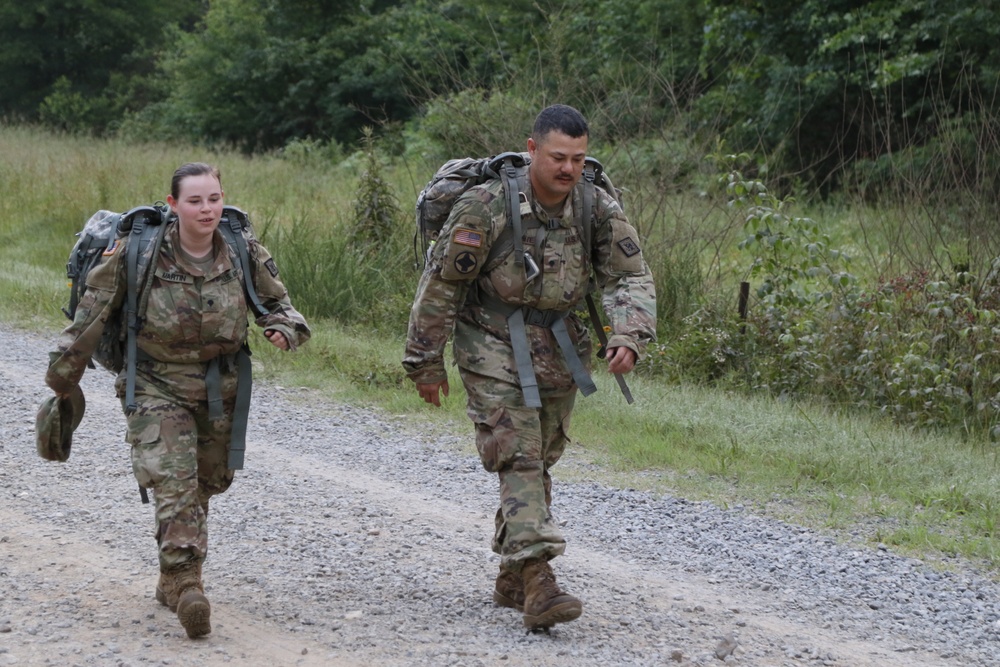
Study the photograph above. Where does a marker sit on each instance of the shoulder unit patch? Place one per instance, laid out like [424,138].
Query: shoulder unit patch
[629,247]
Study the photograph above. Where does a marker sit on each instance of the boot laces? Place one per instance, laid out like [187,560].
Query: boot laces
[547,583]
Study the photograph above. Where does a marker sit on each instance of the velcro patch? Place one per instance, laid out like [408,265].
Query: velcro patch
[468,237]
[629,247]
[271,267]
[113,249]
[466,263]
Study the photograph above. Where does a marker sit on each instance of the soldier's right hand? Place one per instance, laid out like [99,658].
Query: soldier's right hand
[430,392]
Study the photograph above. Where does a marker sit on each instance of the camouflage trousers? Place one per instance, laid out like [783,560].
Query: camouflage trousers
[181,454]
[520,444]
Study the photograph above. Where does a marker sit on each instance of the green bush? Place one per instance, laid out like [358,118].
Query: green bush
[376,209]
[477,123]
[920,348]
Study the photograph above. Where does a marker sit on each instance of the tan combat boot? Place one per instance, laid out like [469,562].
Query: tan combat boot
[509,590]
[166,591]
[544,604]
[193,609]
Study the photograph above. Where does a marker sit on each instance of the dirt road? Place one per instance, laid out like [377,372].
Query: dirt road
[352,539]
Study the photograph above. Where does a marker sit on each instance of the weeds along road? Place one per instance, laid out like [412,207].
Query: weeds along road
[354,539]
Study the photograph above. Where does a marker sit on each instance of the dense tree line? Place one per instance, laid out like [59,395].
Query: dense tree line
[817,85]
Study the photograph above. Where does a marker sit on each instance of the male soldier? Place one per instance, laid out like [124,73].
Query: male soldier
[521,350]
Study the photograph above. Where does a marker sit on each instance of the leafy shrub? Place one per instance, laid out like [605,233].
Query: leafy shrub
[376,210]
[474,122]
[920,348]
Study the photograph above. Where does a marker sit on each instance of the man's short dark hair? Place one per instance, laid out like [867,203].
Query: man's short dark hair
[560,117]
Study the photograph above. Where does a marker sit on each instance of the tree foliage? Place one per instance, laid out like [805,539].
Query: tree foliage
[819,84]
[259,74]
[81,64]
[815,85]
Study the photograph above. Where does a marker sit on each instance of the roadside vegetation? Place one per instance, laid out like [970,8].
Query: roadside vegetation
[774,410]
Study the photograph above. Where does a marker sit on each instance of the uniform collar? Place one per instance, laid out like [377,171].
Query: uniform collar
[223,262]
[566,216]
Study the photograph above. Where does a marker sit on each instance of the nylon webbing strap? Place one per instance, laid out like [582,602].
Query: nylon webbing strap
[595,319]
[241,413]
[510,186]
[580,374]
[234,236]
[131,313]
[144,291]
[213,388]
[588,207]
[550,319]
[144,234]
[522,359]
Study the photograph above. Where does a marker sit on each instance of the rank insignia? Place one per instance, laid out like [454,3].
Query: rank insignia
[467,237]
[628,246]
[466,262]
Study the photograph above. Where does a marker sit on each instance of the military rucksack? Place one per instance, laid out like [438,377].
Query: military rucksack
[454,177]
[435,201]
[146,225]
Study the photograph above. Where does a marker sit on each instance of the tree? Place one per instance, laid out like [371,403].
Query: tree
[819,83]
[81,58]
[261,73]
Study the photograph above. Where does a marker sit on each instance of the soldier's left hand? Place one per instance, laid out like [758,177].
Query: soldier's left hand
[276,338]
[620,359]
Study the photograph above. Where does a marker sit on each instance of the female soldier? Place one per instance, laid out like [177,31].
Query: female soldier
[189,347]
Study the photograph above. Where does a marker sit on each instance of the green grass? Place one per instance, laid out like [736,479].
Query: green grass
[930,495]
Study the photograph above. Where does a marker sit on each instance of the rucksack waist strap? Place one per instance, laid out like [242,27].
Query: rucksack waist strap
[240,361]
[541,318]
[555,320]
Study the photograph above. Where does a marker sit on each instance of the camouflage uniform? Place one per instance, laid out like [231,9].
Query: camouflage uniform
[190,319]
[517,442]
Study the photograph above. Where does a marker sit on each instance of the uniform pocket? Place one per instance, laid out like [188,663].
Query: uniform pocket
[144,435]
[224,310]
[558,445]
[171,316]
[495,440]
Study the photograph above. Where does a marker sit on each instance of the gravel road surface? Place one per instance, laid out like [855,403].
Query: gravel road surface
[353,538]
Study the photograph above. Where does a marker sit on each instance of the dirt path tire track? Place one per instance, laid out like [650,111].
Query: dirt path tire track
[320,559]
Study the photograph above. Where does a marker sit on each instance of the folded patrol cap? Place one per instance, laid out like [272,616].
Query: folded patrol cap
[55,422]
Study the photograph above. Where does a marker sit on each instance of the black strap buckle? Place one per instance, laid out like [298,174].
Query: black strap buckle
[541,318]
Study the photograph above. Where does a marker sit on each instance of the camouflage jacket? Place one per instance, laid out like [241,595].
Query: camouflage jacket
[189,317]
[458,263]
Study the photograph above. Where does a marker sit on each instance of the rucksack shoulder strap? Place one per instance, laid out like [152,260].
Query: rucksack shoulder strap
[589,198]
[234,222]
[235,227]
[145,225]
[512,167]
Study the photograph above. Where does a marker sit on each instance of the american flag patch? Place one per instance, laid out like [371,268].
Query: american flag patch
[467,237]
[110,251]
